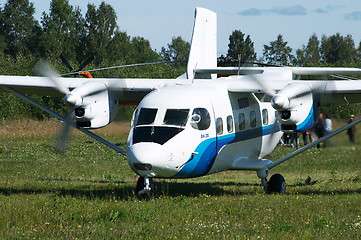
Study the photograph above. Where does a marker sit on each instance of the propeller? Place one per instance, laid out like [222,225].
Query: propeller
[281,100]
[44,69]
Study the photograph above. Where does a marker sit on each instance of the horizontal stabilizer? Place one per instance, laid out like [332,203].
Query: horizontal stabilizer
[295,70]
[230,71]
[324,71]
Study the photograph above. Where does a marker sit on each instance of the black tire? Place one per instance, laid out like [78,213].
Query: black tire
[277,184]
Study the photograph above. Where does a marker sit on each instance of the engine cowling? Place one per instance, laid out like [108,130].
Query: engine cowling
[294,105]
[94,105]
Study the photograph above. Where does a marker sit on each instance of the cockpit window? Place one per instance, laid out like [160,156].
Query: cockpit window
[201,119]
[176,117]
[146,116]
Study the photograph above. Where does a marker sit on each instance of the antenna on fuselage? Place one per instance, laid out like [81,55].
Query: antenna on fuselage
[239,64]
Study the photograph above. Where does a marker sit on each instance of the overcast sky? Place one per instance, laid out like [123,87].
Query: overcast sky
[160,20]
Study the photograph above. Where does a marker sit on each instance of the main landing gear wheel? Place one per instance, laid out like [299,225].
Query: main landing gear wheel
[277,184]
[145,187]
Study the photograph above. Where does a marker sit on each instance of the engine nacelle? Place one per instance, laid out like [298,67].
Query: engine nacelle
[94,105]
[294,105]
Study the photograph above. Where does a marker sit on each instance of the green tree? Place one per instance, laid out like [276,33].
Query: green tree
[62,30]
[242,46]
[18,27]
[120,49]
[337,50]
[142,52]
[309,56]
[101,26]
[177,50]
[358,56]
[278,52]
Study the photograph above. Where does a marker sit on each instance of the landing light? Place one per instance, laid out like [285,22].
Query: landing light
[285,115]
[142,166]
[79,112]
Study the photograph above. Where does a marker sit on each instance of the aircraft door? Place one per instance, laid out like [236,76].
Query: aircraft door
[203,140]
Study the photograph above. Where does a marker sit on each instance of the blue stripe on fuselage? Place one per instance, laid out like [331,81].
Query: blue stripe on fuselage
[308,123]
[203,161]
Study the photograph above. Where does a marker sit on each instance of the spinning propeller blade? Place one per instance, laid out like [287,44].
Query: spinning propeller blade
[46,70]
[267,90]
[62,140]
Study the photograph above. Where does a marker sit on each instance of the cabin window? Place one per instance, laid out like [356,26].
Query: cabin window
[230,123]
[265,116]
[252,115]
[219,126]
[176,117]
[200,119]
[146,116]
[241,121]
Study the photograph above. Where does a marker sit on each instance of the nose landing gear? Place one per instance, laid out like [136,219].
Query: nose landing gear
[145,187]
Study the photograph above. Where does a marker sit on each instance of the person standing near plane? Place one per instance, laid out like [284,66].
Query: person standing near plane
[319,128]
[328,128]
[352,130]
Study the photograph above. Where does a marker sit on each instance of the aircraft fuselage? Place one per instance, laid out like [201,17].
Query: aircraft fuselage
[192,130]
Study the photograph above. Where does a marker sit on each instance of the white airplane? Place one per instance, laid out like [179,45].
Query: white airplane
[199,124]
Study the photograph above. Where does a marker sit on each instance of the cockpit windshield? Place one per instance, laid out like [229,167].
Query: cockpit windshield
[176,117]
[146,116]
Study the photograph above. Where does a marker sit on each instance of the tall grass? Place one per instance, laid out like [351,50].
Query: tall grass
[88,193]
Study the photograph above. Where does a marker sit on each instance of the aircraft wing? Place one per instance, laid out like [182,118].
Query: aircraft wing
[126,89]
[329,91]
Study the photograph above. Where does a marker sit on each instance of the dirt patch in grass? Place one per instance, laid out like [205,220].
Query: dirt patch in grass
[34,128]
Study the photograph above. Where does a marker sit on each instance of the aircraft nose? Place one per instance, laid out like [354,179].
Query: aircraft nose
[150,159]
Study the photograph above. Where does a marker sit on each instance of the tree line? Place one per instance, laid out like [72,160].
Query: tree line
[66,30]
[328,51]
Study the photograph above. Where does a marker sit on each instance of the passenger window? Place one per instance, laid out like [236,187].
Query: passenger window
[177,117]
[241,121]
[252,116]
[219,126]
[201,119]
[265,116]
[230,123]
[146,116]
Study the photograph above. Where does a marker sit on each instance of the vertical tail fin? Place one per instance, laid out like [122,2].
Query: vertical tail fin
[203,51]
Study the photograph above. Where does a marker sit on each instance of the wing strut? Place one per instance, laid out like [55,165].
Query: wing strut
[62,118]
[298,151]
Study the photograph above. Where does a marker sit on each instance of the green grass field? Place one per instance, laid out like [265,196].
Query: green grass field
[89,193]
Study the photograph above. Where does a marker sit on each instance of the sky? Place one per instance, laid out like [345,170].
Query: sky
[160,20]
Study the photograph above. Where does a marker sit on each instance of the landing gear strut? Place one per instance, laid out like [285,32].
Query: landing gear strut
[145,187]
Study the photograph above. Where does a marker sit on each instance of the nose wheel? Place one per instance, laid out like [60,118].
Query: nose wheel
[145,187]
